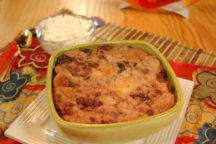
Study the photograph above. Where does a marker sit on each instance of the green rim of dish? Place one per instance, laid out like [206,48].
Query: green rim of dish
[134,43]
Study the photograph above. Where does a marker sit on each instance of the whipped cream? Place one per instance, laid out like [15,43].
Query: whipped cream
[63,27]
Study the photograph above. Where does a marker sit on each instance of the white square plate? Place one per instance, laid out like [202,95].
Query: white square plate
[34,134]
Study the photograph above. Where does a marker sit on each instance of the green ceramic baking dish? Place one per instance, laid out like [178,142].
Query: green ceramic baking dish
[117,132]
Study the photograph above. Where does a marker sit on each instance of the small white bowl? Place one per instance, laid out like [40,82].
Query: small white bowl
[51,46]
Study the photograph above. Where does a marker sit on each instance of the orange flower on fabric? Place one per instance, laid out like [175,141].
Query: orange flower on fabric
[195,117]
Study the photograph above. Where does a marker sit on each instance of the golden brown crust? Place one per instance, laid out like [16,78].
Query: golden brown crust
[110,84]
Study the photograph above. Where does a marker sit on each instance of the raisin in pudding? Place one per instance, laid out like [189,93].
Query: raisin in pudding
[110,84]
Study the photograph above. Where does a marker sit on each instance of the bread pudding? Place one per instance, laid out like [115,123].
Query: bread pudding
[110,84]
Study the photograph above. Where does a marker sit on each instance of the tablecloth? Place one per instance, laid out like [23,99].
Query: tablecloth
[28,77]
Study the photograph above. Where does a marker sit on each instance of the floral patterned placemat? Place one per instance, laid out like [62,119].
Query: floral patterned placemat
[199,125]
[28,78]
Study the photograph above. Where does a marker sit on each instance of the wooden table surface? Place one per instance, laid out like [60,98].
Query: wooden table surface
[199,31]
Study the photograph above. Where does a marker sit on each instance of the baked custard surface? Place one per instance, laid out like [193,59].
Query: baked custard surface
[110,84]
